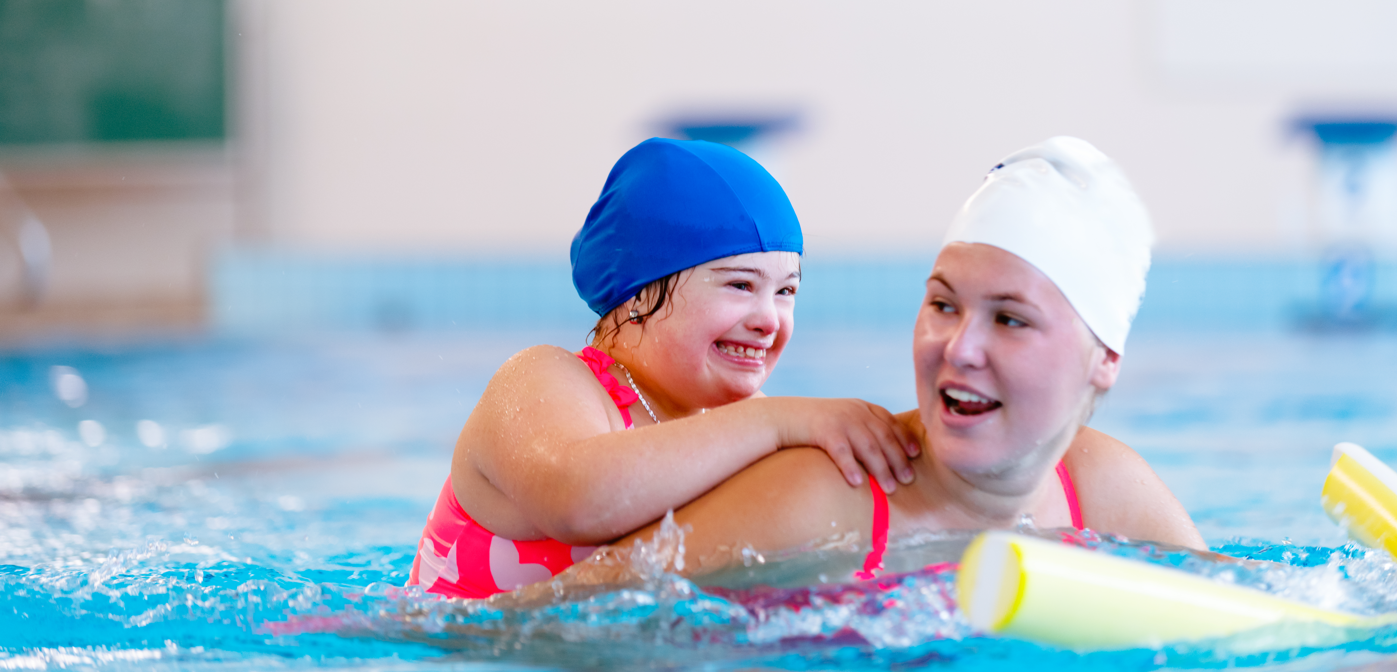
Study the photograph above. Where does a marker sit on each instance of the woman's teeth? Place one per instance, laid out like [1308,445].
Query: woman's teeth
[962,395]
[965,402]
[739,351]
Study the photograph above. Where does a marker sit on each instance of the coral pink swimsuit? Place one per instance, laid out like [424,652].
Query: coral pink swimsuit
[458,557]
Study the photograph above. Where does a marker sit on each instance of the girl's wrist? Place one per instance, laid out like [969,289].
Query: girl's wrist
[776,416]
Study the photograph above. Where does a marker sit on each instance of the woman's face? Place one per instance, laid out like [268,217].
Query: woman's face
[1006,369]
[721,336]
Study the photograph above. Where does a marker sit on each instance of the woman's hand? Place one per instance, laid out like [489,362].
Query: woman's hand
[852,432]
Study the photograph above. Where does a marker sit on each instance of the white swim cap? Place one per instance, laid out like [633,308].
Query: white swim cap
[1066,208]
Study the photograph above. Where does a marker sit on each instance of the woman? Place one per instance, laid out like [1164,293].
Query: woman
[1023,327]
[691,256]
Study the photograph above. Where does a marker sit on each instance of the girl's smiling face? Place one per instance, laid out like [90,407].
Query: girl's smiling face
[721,333]
[1006,369]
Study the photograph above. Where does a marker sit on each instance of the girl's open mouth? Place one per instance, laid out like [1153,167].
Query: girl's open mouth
[740,351]
[964,402]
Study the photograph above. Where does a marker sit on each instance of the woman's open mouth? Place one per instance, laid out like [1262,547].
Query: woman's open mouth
[964,402]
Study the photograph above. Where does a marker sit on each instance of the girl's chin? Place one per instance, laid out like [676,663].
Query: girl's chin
[739,395]
[737,390]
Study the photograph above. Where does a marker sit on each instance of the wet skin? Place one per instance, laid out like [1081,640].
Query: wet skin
[686,357]
[1006,376]
[543,453]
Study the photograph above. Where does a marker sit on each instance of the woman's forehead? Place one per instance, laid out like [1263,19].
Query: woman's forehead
[978,260]
[990,271]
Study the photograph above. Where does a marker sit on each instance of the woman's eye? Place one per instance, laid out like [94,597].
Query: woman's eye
[787,291]
[744,286]
[942,306]
[1010,321]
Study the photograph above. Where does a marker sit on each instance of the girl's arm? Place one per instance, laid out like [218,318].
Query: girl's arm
[542,454]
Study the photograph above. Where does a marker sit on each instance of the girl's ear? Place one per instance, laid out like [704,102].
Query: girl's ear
[1105,367]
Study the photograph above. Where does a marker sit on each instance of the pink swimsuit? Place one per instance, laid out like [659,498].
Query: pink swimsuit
[874,561]
[458,557]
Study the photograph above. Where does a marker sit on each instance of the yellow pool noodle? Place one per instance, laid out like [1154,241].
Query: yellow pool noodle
[1050,593]
[1360,495]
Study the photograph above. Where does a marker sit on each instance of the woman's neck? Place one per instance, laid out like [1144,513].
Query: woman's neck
[953,500]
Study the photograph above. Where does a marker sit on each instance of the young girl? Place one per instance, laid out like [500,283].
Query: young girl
[691,256]
[1023,328]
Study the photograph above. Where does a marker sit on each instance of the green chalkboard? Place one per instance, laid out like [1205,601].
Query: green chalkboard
[100,71]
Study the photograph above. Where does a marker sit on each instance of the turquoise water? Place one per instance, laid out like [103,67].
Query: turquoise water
[249,504]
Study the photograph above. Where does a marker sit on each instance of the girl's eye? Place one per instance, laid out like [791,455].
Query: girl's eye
[942,306]
[787,291]
[1010,321]
[744,286]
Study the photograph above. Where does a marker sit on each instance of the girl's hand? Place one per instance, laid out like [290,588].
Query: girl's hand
[852,432]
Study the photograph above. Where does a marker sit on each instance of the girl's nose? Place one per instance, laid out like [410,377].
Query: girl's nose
[764,318]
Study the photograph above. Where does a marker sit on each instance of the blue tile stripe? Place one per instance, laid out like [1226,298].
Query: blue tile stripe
[254,291]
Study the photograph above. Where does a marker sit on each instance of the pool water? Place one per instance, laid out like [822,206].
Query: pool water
[249,504]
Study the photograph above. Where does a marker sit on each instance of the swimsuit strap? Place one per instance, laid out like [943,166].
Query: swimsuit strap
[459,557]
[623,396]
[874,561]
[1070,490]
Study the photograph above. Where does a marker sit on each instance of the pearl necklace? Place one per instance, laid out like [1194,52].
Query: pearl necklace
[643,402]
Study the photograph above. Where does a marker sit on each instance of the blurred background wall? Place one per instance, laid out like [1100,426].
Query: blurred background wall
[368,141]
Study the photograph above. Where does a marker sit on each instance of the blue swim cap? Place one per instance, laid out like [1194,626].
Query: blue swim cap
[669,205]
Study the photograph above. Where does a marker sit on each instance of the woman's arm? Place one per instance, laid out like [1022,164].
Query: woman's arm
[1120,493]
[541,454]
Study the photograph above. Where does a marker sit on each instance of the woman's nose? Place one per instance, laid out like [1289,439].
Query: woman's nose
[966,348]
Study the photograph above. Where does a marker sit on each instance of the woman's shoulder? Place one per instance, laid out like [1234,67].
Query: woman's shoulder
[1107,471]
[786,499]
[911,419]
[793,479]
[1093,450]
[1119,492]
[807,469]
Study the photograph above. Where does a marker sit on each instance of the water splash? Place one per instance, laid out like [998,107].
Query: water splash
[277,551]
[627,607]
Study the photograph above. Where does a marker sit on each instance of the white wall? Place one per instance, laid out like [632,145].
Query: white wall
[450,127]
[130,232]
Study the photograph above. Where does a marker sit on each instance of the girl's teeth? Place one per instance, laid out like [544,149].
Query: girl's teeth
[739,351]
